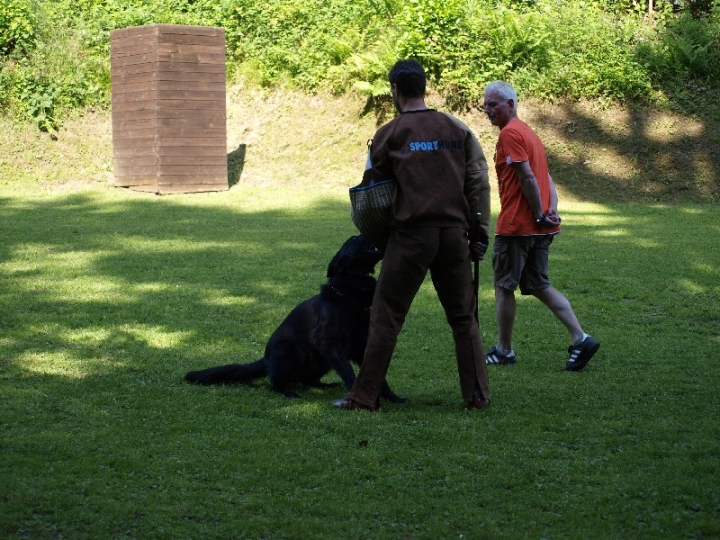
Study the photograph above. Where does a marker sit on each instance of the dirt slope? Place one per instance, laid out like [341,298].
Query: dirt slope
[280,137]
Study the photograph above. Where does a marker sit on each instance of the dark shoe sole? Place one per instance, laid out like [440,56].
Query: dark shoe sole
[583,359]
[504,360]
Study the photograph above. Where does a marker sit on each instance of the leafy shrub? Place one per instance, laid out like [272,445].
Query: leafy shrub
[300,40]
[685,49]
[546,48]
[17,27]
[591,55]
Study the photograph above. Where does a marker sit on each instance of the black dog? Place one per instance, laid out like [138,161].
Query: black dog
[324,332]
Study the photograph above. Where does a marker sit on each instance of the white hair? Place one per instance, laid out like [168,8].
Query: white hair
[503,89]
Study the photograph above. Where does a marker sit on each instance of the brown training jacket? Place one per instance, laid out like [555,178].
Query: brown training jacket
[440,168]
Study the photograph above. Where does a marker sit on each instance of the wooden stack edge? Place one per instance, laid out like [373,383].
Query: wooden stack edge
[168,108]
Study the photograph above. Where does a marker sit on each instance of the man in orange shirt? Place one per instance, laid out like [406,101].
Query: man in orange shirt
[526,226]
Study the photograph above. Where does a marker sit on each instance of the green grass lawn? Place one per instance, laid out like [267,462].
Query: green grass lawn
[108,297]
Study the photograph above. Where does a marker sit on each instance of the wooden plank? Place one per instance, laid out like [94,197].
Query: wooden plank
[122,124]
[145,134]
[169,125]
[133,46]
[140,86]
[165,113]
[190,133]
[128,78]
[218,134]
[146,58]
[215,90]
[200,177]
[194,123]
[190,142]
[149,69]
[136,180]
[170,182]
[165,47]
[193,39]
[190,58]
[169,31]
[181,171]
[209,90]
[133,32]
[170,94]
[175,105]
[169,91]
[187,29]
[219,152]
[145,106]
[135,187]
[165,69]
[124,162]
[147,95]
[125,152]
[188,159]
[124,143]
[191,188]
[149,44]
[169,58]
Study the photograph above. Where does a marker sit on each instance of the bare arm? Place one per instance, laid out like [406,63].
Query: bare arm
[531,192]
[529,186]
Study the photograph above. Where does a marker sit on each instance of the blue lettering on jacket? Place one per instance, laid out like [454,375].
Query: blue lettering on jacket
[430,146]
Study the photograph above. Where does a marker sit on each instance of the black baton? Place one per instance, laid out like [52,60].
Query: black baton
[476,278]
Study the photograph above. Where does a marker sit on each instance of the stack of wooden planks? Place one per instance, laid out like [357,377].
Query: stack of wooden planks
[168,108]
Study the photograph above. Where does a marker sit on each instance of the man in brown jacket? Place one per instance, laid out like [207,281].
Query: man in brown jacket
[442,185]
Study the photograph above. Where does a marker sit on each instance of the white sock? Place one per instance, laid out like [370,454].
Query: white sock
[579,341]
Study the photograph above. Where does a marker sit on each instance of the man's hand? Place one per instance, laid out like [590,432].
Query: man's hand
[477,250]
[553,215]
[549,219]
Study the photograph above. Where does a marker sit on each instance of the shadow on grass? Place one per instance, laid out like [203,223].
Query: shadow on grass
[105,303]
[136,278]
[644,157]
[118,272]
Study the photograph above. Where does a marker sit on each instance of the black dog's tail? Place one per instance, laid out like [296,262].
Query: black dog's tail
[242,373]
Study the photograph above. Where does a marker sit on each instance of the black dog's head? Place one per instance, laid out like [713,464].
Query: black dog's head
[356,257]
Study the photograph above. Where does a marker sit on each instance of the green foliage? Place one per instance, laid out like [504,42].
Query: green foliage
[546,48]
[17,27]
[301,41]
[685,49]
[39,97]
[591,56]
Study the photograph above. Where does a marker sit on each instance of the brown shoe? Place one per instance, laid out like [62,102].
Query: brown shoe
[351,405]
[477,403]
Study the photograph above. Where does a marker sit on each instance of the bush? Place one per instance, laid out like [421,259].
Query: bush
[566,48]
[17,28]
[685,49]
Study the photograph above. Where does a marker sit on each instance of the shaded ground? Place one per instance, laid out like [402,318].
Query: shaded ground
[278,137]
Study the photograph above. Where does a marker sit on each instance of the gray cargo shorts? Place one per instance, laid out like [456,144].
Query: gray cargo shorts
[523,261]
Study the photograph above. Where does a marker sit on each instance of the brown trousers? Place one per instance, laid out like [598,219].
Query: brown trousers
[409,255]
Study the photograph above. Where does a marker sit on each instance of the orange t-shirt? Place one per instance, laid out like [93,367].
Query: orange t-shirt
[516,143]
